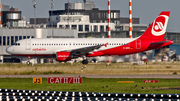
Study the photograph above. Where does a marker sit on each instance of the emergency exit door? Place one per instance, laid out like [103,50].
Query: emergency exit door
[28,44]
[138,44]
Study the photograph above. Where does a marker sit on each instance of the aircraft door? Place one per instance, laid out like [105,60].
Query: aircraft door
[71,45]
[138,44]
[28,44]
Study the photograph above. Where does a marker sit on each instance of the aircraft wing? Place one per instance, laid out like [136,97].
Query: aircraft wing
[84,50]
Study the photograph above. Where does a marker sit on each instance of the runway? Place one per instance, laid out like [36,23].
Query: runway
[165,76]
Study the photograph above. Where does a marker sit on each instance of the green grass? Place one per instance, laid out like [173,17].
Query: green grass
[95,85]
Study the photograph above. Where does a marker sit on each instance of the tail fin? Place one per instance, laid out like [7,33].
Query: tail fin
[158,28]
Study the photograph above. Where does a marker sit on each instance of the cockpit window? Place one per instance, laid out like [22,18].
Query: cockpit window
[17,44]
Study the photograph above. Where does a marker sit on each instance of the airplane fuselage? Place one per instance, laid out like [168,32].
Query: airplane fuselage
[49,47]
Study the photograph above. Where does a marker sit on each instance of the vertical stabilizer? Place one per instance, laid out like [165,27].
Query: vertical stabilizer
[158,28]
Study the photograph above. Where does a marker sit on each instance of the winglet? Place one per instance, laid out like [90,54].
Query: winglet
[105,44]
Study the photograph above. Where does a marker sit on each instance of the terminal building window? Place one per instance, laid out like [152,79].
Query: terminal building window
[121,28]
[8,41]
[87,28]
[102,28]
[4,40]
[12,40]
[74,26]
[0,40]
[60,26]
[95,28]
[67,26]
[20,37]
[24,37]
[16,38]
[80,27]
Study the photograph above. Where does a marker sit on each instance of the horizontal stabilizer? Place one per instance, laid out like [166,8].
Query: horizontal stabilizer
[160,42]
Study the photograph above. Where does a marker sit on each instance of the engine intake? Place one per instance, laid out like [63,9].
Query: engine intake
[65,56]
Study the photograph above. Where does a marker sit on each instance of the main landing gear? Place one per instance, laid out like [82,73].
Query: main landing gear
[28,62]
[85,62]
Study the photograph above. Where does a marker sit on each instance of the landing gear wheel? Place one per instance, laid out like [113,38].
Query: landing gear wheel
[85,62]
[28,62]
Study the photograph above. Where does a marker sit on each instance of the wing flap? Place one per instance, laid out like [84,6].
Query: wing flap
[85,50]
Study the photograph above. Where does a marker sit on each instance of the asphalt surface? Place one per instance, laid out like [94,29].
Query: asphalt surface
[95,76]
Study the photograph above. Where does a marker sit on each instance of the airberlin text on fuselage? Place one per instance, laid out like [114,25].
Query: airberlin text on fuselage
[39,49]
[64,56]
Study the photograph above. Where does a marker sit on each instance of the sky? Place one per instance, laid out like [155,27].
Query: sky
[146,10]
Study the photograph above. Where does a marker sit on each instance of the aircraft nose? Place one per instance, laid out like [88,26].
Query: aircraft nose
[8,50]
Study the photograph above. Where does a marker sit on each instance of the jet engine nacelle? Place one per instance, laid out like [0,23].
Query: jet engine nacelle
[65,56]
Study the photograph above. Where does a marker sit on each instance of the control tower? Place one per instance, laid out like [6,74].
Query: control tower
[86,5]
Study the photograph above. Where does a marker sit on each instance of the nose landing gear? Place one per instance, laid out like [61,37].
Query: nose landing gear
[28,62]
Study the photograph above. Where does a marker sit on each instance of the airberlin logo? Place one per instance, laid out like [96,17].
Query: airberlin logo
[159,25]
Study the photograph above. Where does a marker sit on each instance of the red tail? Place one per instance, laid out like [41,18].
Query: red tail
[158,28]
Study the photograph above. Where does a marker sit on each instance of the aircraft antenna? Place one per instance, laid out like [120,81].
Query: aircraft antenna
[52,6]
[34,11]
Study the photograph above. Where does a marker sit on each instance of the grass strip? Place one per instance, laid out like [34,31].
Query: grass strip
[103,85]
[91,68]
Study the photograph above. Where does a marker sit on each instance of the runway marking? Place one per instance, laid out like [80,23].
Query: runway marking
[125,81]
